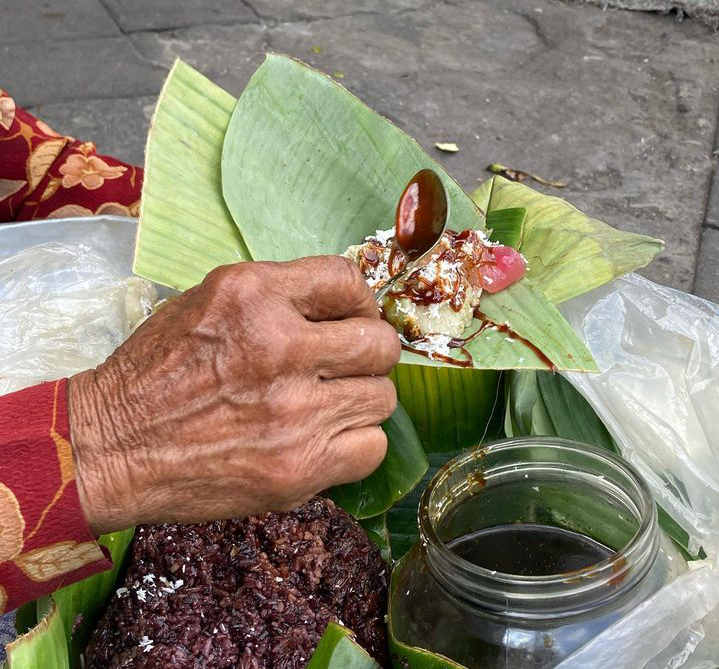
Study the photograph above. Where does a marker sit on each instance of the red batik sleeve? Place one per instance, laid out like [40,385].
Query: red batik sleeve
[47,175]
[45,542]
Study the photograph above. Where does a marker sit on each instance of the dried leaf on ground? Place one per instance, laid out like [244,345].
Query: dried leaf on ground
[448,147]
[521,175]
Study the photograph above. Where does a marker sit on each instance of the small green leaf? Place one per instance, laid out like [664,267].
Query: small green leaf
[337,649]
[447,147]
[506,226]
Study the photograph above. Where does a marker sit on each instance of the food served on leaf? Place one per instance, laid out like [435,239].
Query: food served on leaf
[442,295]
[257,592]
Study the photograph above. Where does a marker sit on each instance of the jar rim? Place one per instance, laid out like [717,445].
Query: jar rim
[641,543]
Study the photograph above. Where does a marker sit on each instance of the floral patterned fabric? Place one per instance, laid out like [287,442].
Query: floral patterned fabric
[47,175]
[45,542]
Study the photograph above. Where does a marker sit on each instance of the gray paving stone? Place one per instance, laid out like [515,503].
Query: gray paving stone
[623,105]
[132,15]
[712,210]
[69,70]
[278,11]
[118,127]
[226,54]
[706,283]
[42,20]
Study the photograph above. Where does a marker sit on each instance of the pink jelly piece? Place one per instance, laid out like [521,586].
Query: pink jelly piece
[503,267]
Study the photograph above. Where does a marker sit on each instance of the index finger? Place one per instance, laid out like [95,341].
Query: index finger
[328,288]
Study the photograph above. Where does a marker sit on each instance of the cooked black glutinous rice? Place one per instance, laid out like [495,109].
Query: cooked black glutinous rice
[253,593]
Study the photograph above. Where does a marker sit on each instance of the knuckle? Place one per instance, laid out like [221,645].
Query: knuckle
[391,343]
[379,444]
[387,396]
[348,274]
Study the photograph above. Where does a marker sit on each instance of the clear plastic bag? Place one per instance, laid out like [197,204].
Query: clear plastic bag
[658,394]
[674,628]
[63,308]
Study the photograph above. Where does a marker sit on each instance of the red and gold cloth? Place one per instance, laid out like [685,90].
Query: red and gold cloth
[47,175]
[45,542]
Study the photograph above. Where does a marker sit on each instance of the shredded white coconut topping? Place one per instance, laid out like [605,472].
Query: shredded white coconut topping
[434,344]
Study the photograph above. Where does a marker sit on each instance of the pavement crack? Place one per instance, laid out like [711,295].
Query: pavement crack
[111,13]
[539,31]
[190,26]
[252,8]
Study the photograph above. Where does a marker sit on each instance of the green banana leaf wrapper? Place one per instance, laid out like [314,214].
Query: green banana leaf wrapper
[299,166]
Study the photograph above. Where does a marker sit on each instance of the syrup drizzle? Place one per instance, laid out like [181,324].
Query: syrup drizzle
[461,344]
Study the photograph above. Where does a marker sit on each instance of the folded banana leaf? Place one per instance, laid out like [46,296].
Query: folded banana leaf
[309,169]
[305,167]
[568,252]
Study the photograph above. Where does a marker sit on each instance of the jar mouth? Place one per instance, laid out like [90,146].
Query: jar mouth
[533,459]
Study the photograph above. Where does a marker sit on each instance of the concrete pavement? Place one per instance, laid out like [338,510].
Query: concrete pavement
[622,105]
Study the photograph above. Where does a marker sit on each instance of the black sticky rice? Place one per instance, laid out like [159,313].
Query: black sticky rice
[254,594]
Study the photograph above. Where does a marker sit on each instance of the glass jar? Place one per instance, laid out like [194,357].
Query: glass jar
[485,618]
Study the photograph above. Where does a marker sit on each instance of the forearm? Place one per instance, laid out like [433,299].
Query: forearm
[45,541]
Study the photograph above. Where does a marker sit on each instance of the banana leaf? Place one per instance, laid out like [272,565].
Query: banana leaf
[338,650]
[506,226]
[309,169]
[377,530]
[185,229]
[568,252]
[44,646]
[66,618]
[541,403]
[451,408]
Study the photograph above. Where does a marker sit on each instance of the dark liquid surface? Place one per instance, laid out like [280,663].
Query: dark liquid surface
[529,549]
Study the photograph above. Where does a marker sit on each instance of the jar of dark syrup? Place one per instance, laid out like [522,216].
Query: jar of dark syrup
[528,549]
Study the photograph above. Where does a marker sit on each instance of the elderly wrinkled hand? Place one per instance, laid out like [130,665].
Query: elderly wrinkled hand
[254,390]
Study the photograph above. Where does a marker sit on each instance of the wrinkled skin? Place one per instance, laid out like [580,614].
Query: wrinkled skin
[252,391]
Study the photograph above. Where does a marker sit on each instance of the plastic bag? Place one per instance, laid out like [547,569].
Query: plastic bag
[658,391]
[63,309]
[658,394]
[663,632]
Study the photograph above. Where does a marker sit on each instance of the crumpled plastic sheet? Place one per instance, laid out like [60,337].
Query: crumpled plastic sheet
[663,632]
[63,309]
[658,394]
